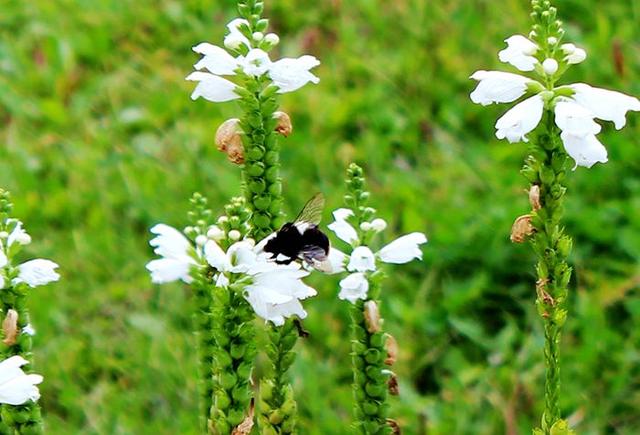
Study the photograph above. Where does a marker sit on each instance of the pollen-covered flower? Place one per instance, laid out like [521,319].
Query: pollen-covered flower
[575,106]
[17,387]
[363,260]
[288,74]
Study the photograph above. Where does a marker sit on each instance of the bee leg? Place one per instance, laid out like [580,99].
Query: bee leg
[301,331]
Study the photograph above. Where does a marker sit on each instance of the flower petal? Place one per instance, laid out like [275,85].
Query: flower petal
[584,150]
[344,231]
[291,74]
[18,235]
[403,249]
[216,257]
[362,260]
[354,287]
[519,53]
[20,389]
[37,272]
[169,242]
[605,104]
[10,368]
[256,63]
[334,263]
[215,59]
[212,88]
[520,120]
[166,270]
[3,259]
[574,119]
[498,87]
[235,38]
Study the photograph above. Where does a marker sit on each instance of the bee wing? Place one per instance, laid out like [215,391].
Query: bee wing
[312,210]
[313,253]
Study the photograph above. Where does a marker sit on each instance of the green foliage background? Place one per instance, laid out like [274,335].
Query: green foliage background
[99,141]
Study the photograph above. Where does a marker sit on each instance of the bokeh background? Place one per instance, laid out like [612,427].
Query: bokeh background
[99,141]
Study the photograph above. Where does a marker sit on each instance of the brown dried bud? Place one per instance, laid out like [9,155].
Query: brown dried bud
[521,229]
[229,140]
[284,126]
[245,427]
[395,427]
[543,295]
[391,346]
[534,197]
[372,317]
[394,388]
[10,327]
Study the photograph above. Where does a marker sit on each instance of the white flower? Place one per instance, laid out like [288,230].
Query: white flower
[212,88]
[37,272]
[379,224]
[272,39]
[585,150]
[17,387]
[519,53]
[29,330]
[174,248]
[236,38]
[291,74]
[403,249]
[217,60]
[550,66]
[573,54]
[342,228]
[498,87]
[18,235]
[256,63]
[354,287]
[362,260]
[3,259]
[520,120]
[606,105]
[574,119]
[239,258]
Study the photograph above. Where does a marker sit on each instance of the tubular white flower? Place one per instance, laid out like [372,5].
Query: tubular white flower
[403,249]
[520,120]
[573,54]
[256,63]
[498,87]
[574,119]
[37,272]
[584,150]
[354,287]
[29,330]
[362,260]
[519,53]
[18,235]
[343,229]
[335,262]
[215,59]
[17,387]
[605,104]
[174,248]
[235,38]
[290,74]
[212,88]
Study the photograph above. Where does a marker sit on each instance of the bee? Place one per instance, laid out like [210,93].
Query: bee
[301,239]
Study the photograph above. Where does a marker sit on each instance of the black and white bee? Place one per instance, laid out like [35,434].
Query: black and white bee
[301,239]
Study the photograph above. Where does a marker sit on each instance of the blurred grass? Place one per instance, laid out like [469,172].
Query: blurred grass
[99,141]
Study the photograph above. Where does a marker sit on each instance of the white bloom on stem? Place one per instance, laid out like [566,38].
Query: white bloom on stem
[550,66]
[585,150]
[290,74]
[215,59]
[17,387]
[354,287]
[574,119]
[362,260]
[343,229]
[520,120]
[212,88]
[18,235]
[573,54]
[37,272]
[3,259]
[519,53]
[236,38]
[403,249]
[498,87]
[606,105]
[174,248]
[29,330]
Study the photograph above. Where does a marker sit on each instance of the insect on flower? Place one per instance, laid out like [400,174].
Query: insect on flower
[301,239]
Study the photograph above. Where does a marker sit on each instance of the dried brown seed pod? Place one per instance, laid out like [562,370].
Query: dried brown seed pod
[521,229]
[394,388]
[372,317]
[391,346]
[10,328]
[395,427]
[245,427]
[534,197]
[284,126]
[229,140]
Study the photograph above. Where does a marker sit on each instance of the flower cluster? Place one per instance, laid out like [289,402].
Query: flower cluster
[575,106]
[274,291]
[17,387]
[33,273]
[249,56]
[362,259]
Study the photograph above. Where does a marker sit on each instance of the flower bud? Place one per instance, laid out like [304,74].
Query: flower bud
[272,39]
[201,240]
[215,233]
[222,220]
[365,226]
[10,327]
[550,66]
[394,425]
[258,36]
[521,229]
[379,224]
[284,126]
[233,41]
[234,235]
[552,40]
[229,140]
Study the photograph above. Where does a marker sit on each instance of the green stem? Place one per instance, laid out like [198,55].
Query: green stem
[546,168]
